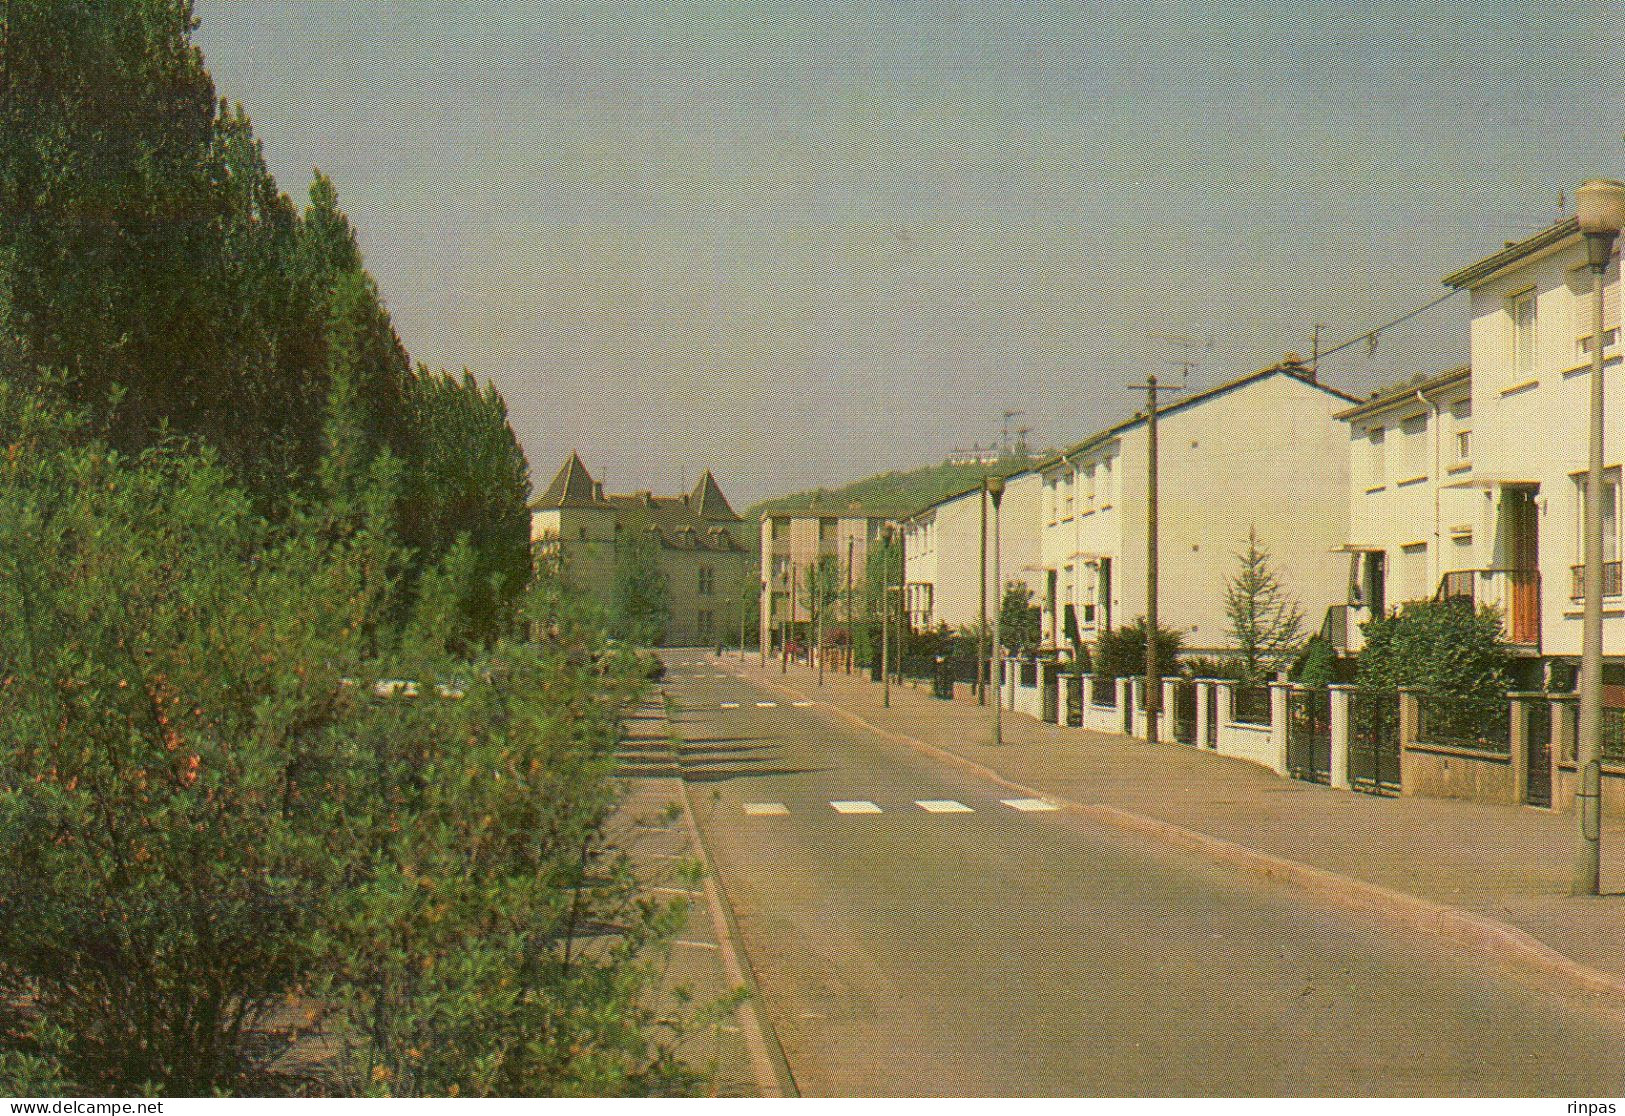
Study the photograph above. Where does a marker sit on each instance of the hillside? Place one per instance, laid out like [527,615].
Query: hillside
[896,492]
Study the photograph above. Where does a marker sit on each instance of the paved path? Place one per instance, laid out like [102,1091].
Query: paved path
[918,929]
[1508,863]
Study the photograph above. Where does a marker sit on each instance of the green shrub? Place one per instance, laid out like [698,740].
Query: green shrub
[1121,653]
[1440,647]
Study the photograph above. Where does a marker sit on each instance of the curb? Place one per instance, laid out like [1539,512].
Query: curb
[1505,945]
[772,1070]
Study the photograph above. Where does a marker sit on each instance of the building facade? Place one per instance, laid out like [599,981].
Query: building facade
[1263,453]
[698,543]
[796,540]
[942,553]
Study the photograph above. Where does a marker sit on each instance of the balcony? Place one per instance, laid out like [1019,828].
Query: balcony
[1611,580]
[1516,593]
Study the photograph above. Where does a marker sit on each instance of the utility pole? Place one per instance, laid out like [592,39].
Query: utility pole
[817,589]
[1153,669]
[981,631]
[1600,209]
[885,622]
[850,644]
[995,491]
[790,624]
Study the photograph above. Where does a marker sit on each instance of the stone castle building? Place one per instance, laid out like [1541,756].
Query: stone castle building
[700,548]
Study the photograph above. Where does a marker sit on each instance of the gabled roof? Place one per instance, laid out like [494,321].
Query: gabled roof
[963,492]
[1399,393]
[708,502]
[1291,369]
[1515,251]
[573,487]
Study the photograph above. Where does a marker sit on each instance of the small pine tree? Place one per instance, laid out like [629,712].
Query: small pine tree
[1020,620]
[1266,623]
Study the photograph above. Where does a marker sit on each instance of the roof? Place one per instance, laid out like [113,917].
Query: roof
[963,492]
[848,509]
[572,487]
[698,520]
[1291,369]
[1397,393]
[709,503]
[1515,252]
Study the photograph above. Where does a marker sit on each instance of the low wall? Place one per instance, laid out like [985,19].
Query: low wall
[1613,789]
[1443,771]
[1248,742]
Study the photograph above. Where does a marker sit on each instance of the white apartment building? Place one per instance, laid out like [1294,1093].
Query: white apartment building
[1531,366]
[1419,527]
[1264,452]
[942,553]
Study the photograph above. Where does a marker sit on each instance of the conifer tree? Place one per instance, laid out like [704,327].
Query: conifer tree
[1265,621]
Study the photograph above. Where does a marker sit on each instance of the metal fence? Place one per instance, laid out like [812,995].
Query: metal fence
[1374,764]
[1103,692]
[1611,731]
[1184,711]
[1480,723]
[1309,735]
[1251,706]
[1073,684]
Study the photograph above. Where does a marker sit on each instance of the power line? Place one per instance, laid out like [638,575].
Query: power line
[1369,337]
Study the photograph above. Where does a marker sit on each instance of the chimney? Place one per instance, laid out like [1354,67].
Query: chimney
[598,491]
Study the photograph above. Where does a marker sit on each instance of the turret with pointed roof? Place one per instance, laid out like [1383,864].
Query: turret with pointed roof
[708,502]
[573,487]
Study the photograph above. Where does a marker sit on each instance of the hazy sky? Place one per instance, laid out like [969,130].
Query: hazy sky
[801,242]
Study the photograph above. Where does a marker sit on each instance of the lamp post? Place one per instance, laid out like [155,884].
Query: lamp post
[1600,208]
[995,492]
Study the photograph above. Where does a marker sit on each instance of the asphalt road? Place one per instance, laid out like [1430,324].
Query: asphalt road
[918,931]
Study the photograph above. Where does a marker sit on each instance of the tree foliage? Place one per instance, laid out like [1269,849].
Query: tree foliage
[1021,622]
[1265,621]
[1440,647]
[640,600]
[1120,653]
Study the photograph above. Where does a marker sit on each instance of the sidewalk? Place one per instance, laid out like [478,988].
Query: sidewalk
[657,831]
[1508,864]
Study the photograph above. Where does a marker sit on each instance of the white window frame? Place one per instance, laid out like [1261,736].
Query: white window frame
[1521,319]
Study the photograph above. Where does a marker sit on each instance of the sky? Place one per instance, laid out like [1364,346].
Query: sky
[805,241]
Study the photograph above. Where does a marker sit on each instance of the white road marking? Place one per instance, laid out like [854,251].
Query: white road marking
[694,945]
[943,806]
[766,809]
[802,704]
[730,705]
[855,807]
[1029,805]
[767,705]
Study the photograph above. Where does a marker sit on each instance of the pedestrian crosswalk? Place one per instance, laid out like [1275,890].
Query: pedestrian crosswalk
[927,805]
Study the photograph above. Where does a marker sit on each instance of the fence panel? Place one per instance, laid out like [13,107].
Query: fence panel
[1309,735]
[1251,706]
[1103,692]
[1184,711]
[1483,724]
[1074,700]
[1374,765]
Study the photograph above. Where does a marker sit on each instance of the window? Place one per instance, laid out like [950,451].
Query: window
[1461,426]
[1413,572]
[704,624]
[708,581]
[1521,350]
[1414,432]
[1049,501]
[1464,445]
[581,533]
[1071,487]
[1376,469]
[1089,490]
[1610,516]
[1583,312]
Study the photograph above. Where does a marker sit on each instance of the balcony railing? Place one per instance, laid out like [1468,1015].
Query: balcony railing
[1611,580]
[1516,593]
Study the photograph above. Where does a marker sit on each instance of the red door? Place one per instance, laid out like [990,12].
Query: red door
[1523,544]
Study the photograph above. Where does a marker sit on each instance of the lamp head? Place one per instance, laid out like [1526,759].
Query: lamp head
[1599,206]
[995,488]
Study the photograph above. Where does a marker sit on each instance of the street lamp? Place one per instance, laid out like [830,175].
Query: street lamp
[885,617]
[995,492]
[1600,208]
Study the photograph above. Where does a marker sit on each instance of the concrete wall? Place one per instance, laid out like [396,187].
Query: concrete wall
[1438,772]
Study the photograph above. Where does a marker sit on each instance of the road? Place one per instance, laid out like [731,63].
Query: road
[918,930]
